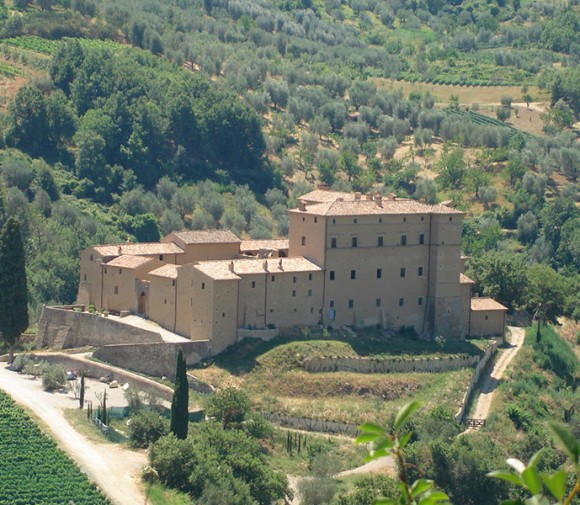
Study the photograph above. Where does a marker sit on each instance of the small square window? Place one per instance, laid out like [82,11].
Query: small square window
[116,290]
[353,274]
[303,219]
[253,284]
[294,279]
[312,310]
[420,271]
[378,302]
[331,275]
[203,285]
[223,314]
[403,239]
[273,278]
[404,220]
[401,302]
[450,218]
[105,270]
[422,218]
[303,240]
[331,304]
[309,292]
[334,221]
[165,301]
[309,277]
[355,220]
[486,318]
[420,300]
[173,282]
[380,219]
[350,304]
[333,242]
[380,241]
[294,294]
[379,273]
[355,241]
[421,238]
[403,272]
[161,257]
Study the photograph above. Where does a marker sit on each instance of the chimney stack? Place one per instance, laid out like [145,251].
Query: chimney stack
[301,205]
[379,199]
[265,265]
[357,197]
[231,266]
[280,264]
[369,197]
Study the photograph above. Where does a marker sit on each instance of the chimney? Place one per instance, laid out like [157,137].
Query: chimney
[231,266]
[120,250]
[369,197]
[301,205]
[322,186]
[390,197]
[265,265]
[357,197]
[280,264]
[379,199]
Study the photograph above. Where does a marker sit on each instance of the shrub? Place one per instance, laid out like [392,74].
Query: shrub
[518,416]
[146,427]
[53,377]
[21,361]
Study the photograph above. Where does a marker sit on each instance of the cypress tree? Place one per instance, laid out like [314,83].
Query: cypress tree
[13,290]
[180,401]
[82,393]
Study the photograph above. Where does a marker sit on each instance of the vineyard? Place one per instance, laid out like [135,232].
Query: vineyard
[8,70]
[33,469]
[50,47]
[481,119]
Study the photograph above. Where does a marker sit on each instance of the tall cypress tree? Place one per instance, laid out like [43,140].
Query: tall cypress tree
[13,290]
[180,401]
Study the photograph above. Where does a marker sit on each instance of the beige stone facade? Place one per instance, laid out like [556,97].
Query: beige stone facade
[350,259]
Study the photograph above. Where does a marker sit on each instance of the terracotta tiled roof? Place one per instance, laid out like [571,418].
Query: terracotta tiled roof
[321,196]
[463,279]
[220,270]
[256,245]
[486,304]
[348,204]
[139,249]
[207,236]
[127,261]
[169,271]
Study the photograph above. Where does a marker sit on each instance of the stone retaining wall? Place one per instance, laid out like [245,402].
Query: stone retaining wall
[63,329]
[307,424]
[489,353]
[157,359]
[389,365]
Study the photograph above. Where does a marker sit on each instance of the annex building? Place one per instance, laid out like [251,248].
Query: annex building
[350,259]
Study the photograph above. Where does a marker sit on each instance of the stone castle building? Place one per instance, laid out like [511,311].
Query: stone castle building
[350,259]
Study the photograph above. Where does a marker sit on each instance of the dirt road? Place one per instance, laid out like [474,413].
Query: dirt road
[491,380]
[114,469]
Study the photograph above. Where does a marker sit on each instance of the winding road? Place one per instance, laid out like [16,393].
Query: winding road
[115,470]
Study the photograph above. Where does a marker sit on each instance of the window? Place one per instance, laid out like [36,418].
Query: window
[485,316]
[333,242]
[380,219]
[353,274]
[355,241]
[403,272]
[379,273]
[223,314]
[355,221]
[105,270]
[294,279]
[331,273]
[334,221]
[450,218]
[312,310]
[378,302]
[309,277]
[161,257]
[303,240]
[120,271]
[203,285]
[404,220]
[331,304]
[420,271]
[350,304]
[273,278]
[309,292]
[116,290]
[173,282]
[403,239]
[303,219]
[420,300]
[91,257]
[253,284]
[380,241]
[421,238]
[294,294]
[85,277]
[316,220]
[165,301]
[422,218]
[401,302]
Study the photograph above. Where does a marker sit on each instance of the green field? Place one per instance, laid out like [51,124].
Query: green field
[34,470]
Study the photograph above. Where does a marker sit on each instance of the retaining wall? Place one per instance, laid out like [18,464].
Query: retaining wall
[489,353]
[157,359]
[62,329]
[389,365]
[307,424]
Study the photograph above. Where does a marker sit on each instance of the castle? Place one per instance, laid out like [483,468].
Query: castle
[350,259]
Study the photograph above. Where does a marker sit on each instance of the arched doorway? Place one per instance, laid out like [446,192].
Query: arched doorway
[142,304]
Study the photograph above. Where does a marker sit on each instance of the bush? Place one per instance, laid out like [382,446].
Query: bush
[146,427]
[21,362]
[53,376]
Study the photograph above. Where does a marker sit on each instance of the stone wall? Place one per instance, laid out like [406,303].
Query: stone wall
[489,353]
[307,424]
[62,329]
[263,334]
[156,359]
[96,370]
[389,365]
